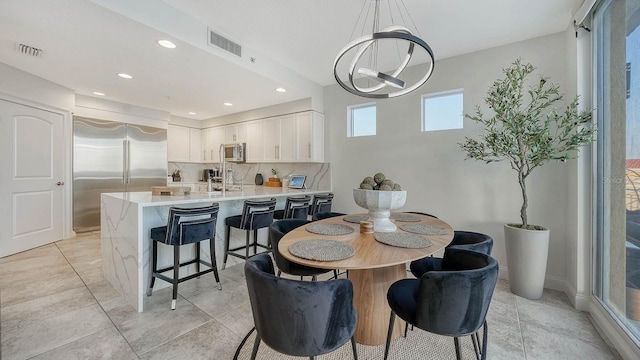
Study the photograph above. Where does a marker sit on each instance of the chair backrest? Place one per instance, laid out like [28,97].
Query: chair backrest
[297,207]
[473,241]
[326,215]
[186,226]
[454,301]
[299,318]
[276,231]
[321,203]
[257,214]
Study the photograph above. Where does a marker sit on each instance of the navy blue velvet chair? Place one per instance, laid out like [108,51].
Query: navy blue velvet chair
[326,215]
[451,302]
[276,231]
[461,240]
[256,214]
[294,208]
[299,318]
[185,226]
[321,203]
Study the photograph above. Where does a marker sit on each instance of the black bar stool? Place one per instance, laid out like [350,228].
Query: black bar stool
[256,215]
[294,208]
[321,203]
[185,226]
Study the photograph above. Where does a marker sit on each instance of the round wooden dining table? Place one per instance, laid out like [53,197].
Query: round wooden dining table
[372,270]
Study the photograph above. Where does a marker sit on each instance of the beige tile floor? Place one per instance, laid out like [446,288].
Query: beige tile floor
[55,304]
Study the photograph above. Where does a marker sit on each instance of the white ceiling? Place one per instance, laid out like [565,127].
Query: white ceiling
[294,43]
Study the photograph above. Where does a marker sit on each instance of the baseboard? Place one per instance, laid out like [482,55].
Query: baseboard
[579,301]
[550,282]
[611,329]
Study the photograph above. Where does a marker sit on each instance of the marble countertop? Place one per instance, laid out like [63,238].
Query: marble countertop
[145,198]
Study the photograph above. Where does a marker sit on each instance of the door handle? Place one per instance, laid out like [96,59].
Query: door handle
[60,183]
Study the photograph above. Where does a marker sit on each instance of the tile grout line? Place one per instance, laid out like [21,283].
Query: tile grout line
[97,302]
[524,350]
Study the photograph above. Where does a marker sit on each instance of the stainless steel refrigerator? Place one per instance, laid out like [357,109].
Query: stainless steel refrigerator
[110,156]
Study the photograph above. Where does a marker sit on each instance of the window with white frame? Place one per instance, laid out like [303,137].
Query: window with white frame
[442,111]
[361,120]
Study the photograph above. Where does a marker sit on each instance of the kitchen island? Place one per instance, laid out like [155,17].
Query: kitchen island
[127,217]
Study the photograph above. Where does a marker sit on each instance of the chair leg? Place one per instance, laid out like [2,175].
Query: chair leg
[474,341]
[335,274]
[154,265]
[391,321]
[198,258]
[279,273]
[406,327]
[176,274]
[256,344]
[255,241]
[314,278]
[456,342]
[485,331]
[353,346]
[246,249]
[226,247]
[214,265]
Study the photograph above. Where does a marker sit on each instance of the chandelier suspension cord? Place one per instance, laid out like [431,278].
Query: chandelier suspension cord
[410,18]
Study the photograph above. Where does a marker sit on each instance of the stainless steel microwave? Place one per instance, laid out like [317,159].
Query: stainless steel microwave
[235,152]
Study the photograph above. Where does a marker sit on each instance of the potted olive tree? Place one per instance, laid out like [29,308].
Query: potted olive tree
[527,131]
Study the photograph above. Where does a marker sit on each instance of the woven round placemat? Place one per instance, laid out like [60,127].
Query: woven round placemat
[329,229]
[404,240]
[404,217]
[424,229]
[355,218]
[322,250]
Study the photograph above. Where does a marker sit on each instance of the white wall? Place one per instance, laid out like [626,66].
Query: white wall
[469,195]
[275,110]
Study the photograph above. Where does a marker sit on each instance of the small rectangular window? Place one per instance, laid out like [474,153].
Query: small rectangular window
[442,111]
[361,120]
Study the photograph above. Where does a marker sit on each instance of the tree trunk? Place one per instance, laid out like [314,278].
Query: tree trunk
[523,209]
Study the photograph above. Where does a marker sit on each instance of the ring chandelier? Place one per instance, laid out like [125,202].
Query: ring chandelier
[388,85]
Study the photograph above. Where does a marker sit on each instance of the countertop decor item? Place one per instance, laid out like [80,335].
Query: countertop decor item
[259,180]
[527,132]
[170,190]
[273,182]
[380,203]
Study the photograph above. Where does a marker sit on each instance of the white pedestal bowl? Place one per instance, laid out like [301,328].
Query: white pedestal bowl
[380,203]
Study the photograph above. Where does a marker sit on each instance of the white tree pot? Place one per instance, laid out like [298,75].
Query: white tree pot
[380,203]
[527,252]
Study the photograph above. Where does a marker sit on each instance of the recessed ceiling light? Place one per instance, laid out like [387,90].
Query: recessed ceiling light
[125,76]
[166,43]
[192,113]
[228,104]
[98,93]
[280,89]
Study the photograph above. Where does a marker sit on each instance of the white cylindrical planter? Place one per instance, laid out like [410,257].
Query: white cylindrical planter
[527,252]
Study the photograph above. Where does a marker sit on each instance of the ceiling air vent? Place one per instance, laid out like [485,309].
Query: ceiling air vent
[28,50]
[225,44]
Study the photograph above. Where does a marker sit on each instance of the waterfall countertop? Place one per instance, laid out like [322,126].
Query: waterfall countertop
[126,219]
[145,198]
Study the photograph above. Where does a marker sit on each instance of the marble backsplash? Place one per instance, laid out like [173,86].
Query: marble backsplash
[318,174]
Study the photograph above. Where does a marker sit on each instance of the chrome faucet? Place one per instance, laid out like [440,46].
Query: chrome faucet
[223,170]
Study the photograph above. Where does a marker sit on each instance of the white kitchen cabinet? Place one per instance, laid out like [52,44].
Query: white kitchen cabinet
[195,145]
[178,149]
[183,144]
[278,137]
[236,133]
[211,140]
[254,149]
[309,137]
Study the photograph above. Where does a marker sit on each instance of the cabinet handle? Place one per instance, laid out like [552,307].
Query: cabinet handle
[309,150]
[211,155]
[204,154]
[276,151]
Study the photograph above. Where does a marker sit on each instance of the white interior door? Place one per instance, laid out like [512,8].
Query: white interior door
[31,163]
